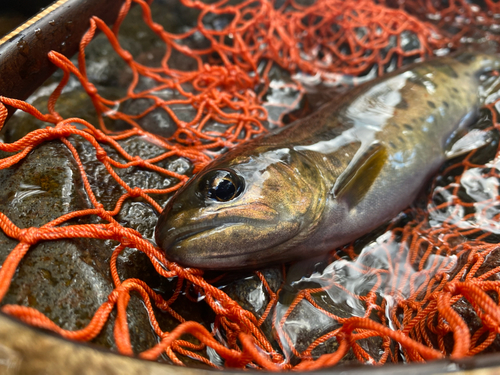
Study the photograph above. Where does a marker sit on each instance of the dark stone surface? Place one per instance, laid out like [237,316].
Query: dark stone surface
[250,293]
[54,277]
[69,279]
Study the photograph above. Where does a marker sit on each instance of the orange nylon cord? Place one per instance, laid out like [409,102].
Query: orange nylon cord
[437,267]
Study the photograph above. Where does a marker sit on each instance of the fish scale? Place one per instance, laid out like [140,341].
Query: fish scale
[329,178]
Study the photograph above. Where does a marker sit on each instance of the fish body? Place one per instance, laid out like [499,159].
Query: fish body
[327,179]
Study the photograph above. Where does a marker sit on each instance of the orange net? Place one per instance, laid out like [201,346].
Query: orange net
[419,283]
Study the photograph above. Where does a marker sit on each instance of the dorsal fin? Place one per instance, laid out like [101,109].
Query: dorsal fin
[360,174]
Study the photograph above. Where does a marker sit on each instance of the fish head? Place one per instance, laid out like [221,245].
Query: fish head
[238,211]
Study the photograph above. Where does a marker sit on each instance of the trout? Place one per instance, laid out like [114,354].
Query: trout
[327,179]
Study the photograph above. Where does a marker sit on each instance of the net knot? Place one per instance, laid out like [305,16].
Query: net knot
[100,154]
[99,135]
[277,357]
[135,192]
[126,235]
[125,241]
[139,162]
[439,276]
[450,288]
[91,89]
[29,236]
[156,28]
[412,305]
[474,258]
[60,130]
[127,56]
[232,308]
[99,206]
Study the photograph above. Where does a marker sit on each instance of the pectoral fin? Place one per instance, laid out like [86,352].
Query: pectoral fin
[474,139]
[355,181]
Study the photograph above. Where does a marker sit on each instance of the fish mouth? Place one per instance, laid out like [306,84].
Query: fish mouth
[170,239]
[182,234]
[228,245]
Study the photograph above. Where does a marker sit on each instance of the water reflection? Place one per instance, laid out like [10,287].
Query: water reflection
[385,271]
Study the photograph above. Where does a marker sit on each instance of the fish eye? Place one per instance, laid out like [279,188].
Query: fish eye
[222,185]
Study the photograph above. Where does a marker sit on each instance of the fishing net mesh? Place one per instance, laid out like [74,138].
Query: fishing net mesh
[430,268]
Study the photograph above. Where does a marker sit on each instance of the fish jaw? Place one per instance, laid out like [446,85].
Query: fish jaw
[219,246]
[221,237]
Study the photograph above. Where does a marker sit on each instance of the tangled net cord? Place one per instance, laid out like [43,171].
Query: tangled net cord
[292,37]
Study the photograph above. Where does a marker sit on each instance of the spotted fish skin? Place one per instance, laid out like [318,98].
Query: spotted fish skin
[327,179]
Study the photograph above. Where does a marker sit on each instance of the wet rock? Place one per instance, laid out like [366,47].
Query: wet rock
[281,96]
[107,188]
[53,277]
[69,279]
[73,102]
[156,121]
[42,187]
[250,293]
[105,67]
[305,323]
[22,123]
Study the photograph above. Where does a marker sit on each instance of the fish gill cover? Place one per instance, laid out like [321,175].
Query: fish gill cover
[423,287]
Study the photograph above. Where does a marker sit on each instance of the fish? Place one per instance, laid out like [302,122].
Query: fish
[329,178]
